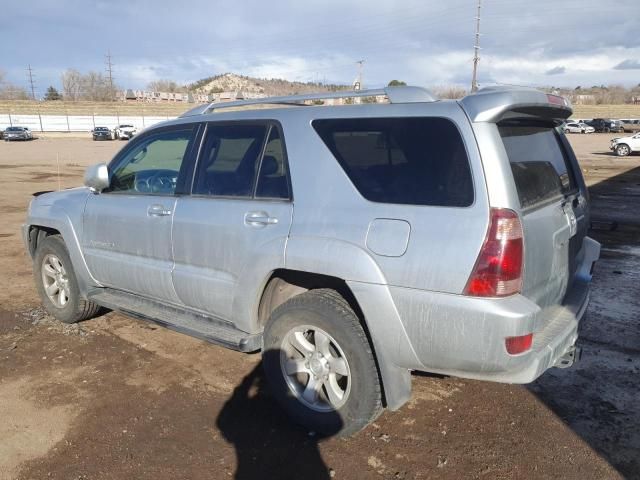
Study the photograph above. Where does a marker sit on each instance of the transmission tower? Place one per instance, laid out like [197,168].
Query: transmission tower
[358,85]
[31,82]
[110,73]
[476,51]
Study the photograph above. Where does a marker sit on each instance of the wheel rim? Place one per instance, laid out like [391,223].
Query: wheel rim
[315,368]
[622,150]
[55,281]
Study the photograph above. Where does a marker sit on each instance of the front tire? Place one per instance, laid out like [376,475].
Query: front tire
[623,150]
[320,365]
[57,284]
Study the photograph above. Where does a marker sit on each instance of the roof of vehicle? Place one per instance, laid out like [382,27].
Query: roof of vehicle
[490,104]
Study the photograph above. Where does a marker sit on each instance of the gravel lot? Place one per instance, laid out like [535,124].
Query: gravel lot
[120,398]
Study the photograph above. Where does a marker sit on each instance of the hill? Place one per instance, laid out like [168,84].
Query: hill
[230,82]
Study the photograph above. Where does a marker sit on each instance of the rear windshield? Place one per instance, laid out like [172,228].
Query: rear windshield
[417,161]
[538,162]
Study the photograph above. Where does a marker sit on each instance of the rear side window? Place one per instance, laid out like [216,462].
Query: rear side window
[538,162]
[417,161]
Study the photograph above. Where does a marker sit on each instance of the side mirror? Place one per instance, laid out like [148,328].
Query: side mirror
[96,177]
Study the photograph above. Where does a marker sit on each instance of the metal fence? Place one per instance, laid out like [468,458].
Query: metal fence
[76,123]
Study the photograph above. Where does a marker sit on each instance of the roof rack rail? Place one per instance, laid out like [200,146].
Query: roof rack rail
[404,94]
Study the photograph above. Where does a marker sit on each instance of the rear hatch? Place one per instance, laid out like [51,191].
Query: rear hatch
[518,134]
[553,207]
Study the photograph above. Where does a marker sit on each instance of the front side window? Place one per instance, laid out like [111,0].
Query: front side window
[153,165]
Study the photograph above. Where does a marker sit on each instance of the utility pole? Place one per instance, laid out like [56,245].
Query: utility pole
[476,51]
[31,82]
[358,85]
[110,72]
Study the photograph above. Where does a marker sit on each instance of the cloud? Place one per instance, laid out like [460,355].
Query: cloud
[628,64]
[322,40]
[559,70]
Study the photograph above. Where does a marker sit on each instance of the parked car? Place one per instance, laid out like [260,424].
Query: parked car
[351,245]
[17,133]
[631,125]
[125,132]
[606,125]
[573,127]
[624,146]
[102,133]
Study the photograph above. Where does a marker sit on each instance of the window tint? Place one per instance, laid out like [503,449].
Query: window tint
[537,161]
[272,179]
[153,165]
[228,161]
[418,161]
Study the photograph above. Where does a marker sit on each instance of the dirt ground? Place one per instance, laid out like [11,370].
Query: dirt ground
[116,398]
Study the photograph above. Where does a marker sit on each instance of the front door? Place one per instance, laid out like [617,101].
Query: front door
[127,228]
[230,233]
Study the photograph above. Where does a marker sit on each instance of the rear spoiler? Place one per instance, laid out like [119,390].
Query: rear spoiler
[493,104]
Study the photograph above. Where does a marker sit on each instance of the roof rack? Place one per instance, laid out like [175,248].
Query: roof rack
[394,94]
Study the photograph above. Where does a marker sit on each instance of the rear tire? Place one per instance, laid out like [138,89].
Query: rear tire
[320,365]
[57,284]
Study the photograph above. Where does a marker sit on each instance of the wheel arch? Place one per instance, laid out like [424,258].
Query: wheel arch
[285,284]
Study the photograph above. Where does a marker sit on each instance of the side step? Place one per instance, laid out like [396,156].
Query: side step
[190,323]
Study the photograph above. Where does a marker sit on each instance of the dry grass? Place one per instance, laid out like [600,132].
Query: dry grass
[29,107]
[606,111]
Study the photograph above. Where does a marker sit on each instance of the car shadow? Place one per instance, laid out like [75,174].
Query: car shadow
[598,397]
[267,443]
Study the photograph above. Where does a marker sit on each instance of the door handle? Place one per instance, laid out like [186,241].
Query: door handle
[259,219]
[158,211]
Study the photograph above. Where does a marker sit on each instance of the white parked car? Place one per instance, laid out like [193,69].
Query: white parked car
[575,127]
[125,132]
[623,146]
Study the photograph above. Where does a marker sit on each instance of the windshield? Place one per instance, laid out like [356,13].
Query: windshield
[15,129]
[102,129]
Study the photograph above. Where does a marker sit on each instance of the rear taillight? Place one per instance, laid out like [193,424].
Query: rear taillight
[498,270]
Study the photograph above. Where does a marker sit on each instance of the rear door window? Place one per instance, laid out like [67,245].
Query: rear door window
[417,161]
[538,162]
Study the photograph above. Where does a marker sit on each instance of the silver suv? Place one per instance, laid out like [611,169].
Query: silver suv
[351,244]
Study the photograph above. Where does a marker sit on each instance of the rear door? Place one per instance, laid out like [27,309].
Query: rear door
[553,207]
[230,233]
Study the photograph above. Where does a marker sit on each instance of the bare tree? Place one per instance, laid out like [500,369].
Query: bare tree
[72,84]
[8,91]
[164,85]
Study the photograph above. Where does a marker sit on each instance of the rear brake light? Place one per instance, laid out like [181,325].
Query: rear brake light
[498,270]
[557,100]
[516,345]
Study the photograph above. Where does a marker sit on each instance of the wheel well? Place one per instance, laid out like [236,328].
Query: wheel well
[37,234]
[286,284]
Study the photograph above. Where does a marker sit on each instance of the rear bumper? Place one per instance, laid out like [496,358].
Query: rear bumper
[465,336]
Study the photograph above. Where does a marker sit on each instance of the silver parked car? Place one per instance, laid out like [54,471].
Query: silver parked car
[17,133]
[351,244]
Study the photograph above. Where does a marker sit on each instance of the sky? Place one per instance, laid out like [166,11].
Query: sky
[427,43]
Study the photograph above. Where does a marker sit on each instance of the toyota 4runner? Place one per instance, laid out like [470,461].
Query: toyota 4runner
[351,244]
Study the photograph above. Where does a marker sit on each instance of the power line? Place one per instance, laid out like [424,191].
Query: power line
[110,72]
[476,51]
[31,82]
